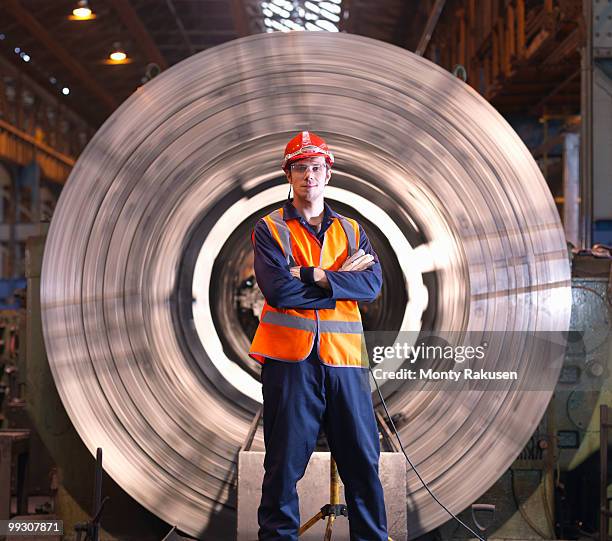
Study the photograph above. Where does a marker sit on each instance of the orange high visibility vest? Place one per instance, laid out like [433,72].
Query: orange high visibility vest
[287,334]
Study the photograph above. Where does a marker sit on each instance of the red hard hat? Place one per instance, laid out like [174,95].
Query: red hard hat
[304,145]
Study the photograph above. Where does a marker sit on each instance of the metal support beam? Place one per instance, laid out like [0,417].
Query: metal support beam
[38,31]
[26,138]
[28,180]
[538,108]
[20,148]
[181,27]
[596,134]
[571,188]
[432,21]
[134,24]
[602,143]
[586,130]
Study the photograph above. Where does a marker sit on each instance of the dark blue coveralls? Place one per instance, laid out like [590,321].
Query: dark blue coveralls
[300,397]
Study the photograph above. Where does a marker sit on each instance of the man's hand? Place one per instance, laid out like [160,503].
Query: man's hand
[357,262]
[318,274]
[320,278]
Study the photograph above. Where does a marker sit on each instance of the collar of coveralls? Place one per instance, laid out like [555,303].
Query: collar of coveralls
[291,213]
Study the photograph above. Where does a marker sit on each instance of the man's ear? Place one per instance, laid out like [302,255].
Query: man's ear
[327,176]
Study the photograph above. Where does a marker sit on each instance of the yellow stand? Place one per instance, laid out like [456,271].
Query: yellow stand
[331,510]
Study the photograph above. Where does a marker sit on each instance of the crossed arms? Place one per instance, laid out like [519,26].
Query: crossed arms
[359,279]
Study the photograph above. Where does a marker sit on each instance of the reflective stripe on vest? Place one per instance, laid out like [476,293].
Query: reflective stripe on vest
[284,234]
[307,324]
[287,320]
[346,327]
[350,235]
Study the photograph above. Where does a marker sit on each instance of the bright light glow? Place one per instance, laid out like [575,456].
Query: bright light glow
[117,56]
[284,15]
[293,25]
[279,11]
[332,8]
[311,7]
[25,57]
[279,26]
[326,25]
[52,80]
[17,50]
[330,16]
[283,4]
[81,13]
[65,91]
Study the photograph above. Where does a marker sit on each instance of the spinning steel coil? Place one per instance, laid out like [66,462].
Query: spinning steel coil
[147,257]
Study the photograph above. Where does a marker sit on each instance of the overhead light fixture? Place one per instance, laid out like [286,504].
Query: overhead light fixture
[117,55]
[65,91]
[82,12]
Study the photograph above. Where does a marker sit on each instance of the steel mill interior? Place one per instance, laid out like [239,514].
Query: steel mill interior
[142,142]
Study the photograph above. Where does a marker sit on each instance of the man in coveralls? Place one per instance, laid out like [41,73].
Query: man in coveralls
[313,266]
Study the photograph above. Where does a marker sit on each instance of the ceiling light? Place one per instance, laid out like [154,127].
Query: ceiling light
[65,91]
[117,55]
[82,12]
[25,57]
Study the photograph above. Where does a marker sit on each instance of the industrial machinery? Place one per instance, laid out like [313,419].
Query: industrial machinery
[148,299]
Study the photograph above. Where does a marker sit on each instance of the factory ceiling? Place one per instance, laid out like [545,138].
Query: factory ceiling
[529,68]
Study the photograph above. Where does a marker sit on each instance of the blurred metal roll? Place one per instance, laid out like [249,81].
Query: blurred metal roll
[147,293]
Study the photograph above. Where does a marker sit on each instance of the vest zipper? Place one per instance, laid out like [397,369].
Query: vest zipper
[318,333]
[317,311]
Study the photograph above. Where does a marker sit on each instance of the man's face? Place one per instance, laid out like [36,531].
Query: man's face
[308,177]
